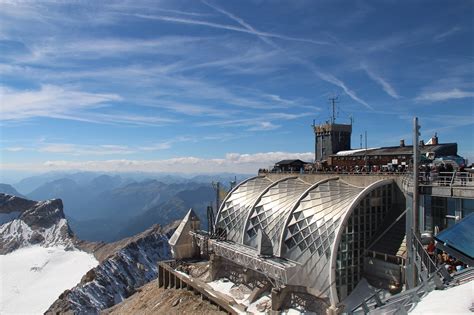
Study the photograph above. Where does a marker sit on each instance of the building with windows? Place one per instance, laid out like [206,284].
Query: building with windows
[390,157]
[331,138]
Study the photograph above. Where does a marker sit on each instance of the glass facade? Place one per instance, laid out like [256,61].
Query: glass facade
[467,207]
[440,212]
[357,235]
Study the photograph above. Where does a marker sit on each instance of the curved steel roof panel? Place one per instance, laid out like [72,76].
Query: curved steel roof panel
[311,228]
[271,209]
[235,208]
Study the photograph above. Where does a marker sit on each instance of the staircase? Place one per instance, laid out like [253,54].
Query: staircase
[430,277]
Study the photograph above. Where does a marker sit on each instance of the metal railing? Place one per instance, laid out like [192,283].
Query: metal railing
[332,172]
[423,261]
[441,179]
[428,274]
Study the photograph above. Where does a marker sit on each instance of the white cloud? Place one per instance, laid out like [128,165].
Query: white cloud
[49,101]
[75,149]
[232,162]
[156,147]
[442,36]
[332,79]
[256,122]
[58,102]
[439,96]
[228,27]
[264,126]
[326,77]
[382,82]
[99,149]
[107,47]
[15,149]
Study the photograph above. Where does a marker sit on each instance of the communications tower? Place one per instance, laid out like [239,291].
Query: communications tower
[330,137]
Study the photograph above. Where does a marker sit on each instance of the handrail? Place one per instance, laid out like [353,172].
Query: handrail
[423,254]
[453,179]
[403,299]
[364,303]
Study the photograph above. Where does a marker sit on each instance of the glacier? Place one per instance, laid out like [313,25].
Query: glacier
[33,277]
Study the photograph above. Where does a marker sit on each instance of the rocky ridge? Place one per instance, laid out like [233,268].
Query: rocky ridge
[124,267]
[33,223]
[118,276]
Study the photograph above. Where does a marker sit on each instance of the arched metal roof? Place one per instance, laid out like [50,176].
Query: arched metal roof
[304,222]
[269,213]
[238,203]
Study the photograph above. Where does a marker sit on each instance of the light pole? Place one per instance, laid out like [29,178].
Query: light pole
[412,227]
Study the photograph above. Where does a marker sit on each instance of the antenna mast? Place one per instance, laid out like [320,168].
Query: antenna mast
[334,101]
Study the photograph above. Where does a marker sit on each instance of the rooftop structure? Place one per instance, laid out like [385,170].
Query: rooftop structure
[388,156]
[319,227]
[181,240]
[331,138]
[289,166]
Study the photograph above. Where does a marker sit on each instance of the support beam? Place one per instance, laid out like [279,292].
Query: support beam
[160,276]
[166,277]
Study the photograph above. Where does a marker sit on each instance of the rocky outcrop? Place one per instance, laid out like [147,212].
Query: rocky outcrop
[118,276]
[44,214]
[38,223]
[10,203]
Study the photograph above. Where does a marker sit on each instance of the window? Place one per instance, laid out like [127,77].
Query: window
[361,227]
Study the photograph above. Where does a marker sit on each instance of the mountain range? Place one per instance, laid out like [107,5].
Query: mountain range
[108,207]
[41,257]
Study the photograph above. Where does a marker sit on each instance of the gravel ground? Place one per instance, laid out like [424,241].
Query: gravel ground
[150,299]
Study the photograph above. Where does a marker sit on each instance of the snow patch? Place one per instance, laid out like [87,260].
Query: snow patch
[20,232]
[456,300]
[253,309]
[32,278]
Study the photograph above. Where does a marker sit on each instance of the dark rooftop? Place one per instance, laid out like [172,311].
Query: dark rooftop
[289,162]
[442,149]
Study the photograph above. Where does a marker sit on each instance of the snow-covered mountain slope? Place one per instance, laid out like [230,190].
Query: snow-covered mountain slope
[118,276]
[37,223]
[38,256]
[17,234]
[32,278]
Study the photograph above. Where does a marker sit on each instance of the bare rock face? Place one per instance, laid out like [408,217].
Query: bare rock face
[118,276]
[10,203]
[37,223]
[44,214]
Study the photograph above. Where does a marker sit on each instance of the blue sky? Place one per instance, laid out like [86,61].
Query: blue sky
[211,86]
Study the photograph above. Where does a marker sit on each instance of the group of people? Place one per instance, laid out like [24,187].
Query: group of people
[442,174]
[442,258]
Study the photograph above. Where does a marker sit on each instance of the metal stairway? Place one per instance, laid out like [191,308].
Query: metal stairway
[430,277]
